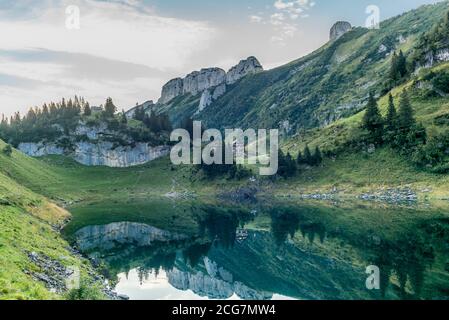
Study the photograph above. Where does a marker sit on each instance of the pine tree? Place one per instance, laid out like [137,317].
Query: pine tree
[308,159]
[394,68]
[124,119]
[299,158]
[391,120]
[401,65]
[87,110]
[317,157]
[139,113]
[405,114]
[109,108]
[372,120]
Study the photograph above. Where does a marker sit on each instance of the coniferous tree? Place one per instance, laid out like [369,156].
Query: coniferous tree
[123,118]
[405,114]
[287,166]
[45,111]
[299,158]
[391,120]
[372,120]
[109,108]
[308,159]
[317,157]
[139,113]
[394,68]
[401,65]
[87,110]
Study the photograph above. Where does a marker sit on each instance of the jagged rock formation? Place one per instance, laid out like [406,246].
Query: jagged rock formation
[197,82]
[339,29]
[245,67]
[193,83]
[211,82]
[88,147]
[107,237]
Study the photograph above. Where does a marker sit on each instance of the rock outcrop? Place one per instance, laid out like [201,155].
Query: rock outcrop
[432,58]
[91,146]
[210,82]
[99,154]
[171,90]
[339,29]
[245,67]
[198,81]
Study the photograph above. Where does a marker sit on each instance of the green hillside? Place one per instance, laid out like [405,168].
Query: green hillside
[28,224]
[331,83]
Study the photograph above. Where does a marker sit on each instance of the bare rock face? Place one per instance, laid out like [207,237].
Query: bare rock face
[210,82]
[339,29]
[96,151]
[194,83]
[244,68]
[197,82]
[171,90]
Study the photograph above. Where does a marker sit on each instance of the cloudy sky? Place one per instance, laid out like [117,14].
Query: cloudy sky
[128,49]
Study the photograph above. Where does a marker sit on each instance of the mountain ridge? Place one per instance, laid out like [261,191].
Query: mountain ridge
[328,84]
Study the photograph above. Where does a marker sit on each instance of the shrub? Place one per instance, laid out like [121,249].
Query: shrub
[85,292]
[7,150]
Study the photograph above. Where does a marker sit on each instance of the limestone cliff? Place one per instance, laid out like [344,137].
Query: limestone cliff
[210,82]
[91,146]
[245,67]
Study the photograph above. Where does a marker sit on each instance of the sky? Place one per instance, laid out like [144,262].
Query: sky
[127,49]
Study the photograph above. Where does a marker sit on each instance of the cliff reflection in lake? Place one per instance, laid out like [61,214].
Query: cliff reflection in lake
[272,252]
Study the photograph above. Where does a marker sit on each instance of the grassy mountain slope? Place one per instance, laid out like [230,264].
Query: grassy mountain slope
[27,224]
[326,85]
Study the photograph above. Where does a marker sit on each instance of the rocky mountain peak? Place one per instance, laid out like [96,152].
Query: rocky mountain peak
[339,29]
[242,69]
[209,81]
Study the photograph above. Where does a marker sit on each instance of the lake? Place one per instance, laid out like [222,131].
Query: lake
[166,249]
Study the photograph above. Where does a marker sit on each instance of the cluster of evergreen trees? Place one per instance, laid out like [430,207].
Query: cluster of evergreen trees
[399,71]
[399,127]
[288,166]
[400,130]
[42,123]
[307,158]
[47,122]
[155,122]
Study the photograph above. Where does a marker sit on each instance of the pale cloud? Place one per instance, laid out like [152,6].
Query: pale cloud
[284,18]
[255,18]
[122,49]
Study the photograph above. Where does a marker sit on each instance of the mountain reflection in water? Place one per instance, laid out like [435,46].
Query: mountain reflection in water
[281,252]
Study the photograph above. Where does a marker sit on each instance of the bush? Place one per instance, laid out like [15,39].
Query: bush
[441,82]
[85,292]
[7,150]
